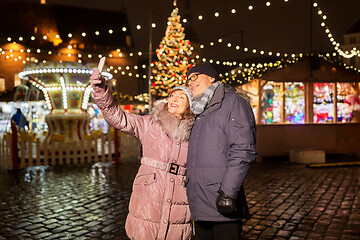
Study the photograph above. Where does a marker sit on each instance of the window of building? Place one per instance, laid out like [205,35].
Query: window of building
[17,80]
[271,103]
[2,84]
[344,108]
[294,102]
[323,102]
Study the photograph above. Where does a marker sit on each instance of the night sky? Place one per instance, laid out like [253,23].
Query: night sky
[281,27]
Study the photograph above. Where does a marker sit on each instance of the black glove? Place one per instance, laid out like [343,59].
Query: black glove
[226,205]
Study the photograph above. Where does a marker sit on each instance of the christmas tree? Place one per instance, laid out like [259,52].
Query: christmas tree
[173,54]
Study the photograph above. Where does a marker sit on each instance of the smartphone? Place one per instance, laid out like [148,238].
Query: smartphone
[101,64]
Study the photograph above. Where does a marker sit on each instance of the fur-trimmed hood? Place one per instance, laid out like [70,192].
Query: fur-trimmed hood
[174,127]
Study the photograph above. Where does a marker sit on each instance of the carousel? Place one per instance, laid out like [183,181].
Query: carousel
[66,89]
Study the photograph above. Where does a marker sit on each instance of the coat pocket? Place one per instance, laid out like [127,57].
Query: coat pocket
[211,179]
[145,179]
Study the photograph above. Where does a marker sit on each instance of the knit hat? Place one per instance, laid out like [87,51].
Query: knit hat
[187,91]
[204,68]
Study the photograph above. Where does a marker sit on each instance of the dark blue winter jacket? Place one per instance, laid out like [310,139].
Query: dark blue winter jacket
[221,150]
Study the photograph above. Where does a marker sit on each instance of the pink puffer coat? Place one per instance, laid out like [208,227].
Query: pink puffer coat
[158,207]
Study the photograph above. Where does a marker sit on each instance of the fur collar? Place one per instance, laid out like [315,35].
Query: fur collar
[175,128]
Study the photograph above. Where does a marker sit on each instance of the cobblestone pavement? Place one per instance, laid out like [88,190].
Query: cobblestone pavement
[90,202]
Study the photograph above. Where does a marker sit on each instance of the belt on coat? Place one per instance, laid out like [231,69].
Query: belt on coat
[168,167]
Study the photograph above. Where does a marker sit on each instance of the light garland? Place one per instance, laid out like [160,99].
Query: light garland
[353,52]
[345,54]
[39,77]
[247,72]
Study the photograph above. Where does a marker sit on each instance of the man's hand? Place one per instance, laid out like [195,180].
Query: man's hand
[226,206]
[97,83]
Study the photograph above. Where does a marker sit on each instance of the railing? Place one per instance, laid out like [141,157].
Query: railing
[97,147]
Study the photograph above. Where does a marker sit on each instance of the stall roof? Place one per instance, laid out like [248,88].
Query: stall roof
[312,68]
[315,68]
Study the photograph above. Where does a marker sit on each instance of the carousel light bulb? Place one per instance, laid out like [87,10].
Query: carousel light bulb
[21,38]
[44,37]
[89,56]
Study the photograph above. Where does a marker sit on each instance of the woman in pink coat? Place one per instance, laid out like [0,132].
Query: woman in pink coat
[158,207]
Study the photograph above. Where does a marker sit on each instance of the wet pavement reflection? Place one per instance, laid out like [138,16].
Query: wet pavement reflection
[90,201]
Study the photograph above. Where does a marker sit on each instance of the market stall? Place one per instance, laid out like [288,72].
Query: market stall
[289,103]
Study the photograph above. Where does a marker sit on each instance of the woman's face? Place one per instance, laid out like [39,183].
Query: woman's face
[178,103]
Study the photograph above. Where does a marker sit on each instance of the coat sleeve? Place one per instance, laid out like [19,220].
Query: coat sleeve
[240,129]
[126,122]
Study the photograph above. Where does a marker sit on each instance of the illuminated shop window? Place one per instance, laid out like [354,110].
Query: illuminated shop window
[17,80]
[294,102]
[2,84]
[323,102]
[271,103]
[344,104]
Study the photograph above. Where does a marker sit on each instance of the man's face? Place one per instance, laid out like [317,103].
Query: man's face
[198,83]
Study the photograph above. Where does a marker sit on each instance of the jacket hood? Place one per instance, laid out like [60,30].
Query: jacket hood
[174,127]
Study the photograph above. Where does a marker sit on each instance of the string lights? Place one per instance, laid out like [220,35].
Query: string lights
[26,55]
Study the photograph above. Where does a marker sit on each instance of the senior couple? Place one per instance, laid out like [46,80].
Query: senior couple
[197,150]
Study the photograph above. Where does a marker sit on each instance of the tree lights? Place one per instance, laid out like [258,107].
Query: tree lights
[173,54]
